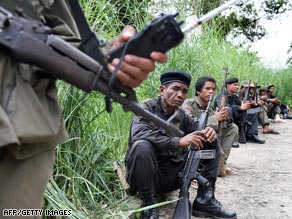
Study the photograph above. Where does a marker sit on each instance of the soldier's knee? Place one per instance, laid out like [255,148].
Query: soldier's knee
[143,148]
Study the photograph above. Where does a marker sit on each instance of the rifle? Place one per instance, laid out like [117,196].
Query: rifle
[256,93]
[190,172]
[222,124]
[29,41]
[247,92]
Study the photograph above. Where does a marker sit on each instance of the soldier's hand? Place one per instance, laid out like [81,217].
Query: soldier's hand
[245,105]
[196,138]
[210,134]
[134,70]
[221,115]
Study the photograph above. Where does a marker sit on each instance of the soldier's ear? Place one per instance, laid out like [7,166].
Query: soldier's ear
[161,89]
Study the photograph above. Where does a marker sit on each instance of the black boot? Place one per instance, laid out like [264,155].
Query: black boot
[206,205]
[152,213]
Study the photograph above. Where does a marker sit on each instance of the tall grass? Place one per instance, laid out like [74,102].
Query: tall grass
[84,180]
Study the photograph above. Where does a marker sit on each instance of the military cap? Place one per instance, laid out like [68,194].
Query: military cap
[232,80]
[175,76]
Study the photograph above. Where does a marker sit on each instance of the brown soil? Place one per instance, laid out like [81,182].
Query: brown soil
[262,188]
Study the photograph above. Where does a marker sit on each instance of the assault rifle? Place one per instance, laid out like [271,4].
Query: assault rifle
[29,41]
[190,172]
[256,93]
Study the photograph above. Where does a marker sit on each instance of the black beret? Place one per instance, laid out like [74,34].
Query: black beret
[270,86]
[175,76]
[232,80]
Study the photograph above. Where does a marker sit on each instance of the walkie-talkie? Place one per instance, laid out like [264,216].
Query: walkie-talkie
[162,34]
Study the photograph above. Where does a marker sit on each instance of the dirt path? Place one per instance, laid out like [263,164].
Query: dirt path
[263,187]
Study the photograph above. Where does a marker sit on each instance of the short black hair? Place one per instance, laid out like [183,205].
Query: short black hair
[270,86]
[201,82]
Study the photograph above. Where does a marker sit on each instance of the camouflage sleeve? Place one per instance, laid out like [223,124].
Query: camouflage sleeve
[191,109]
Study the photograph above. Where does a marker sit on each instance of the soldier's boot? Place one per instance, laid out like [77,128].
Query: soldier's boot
[206,205]
[152,213]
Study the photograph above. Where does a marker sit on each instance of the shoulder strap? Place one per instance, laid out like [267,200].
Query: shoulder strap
[89,40]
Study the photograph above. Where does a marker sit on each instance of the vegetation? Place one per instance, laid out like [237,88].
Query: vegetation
[84,180]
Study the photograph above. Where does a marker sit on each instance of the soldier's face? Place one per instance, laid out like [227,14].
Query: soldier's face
[208,89]
[232,88]
[173,95]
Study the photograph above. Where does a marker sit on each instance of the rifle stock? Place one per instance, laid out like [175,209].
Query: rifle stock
[29,41]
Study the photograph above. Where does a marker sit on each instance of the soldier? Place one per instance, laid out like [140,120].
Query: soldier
[31,122]
[282,108]
[154,158]
[270,105]
[257,106]
[205,86]
[239,114]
